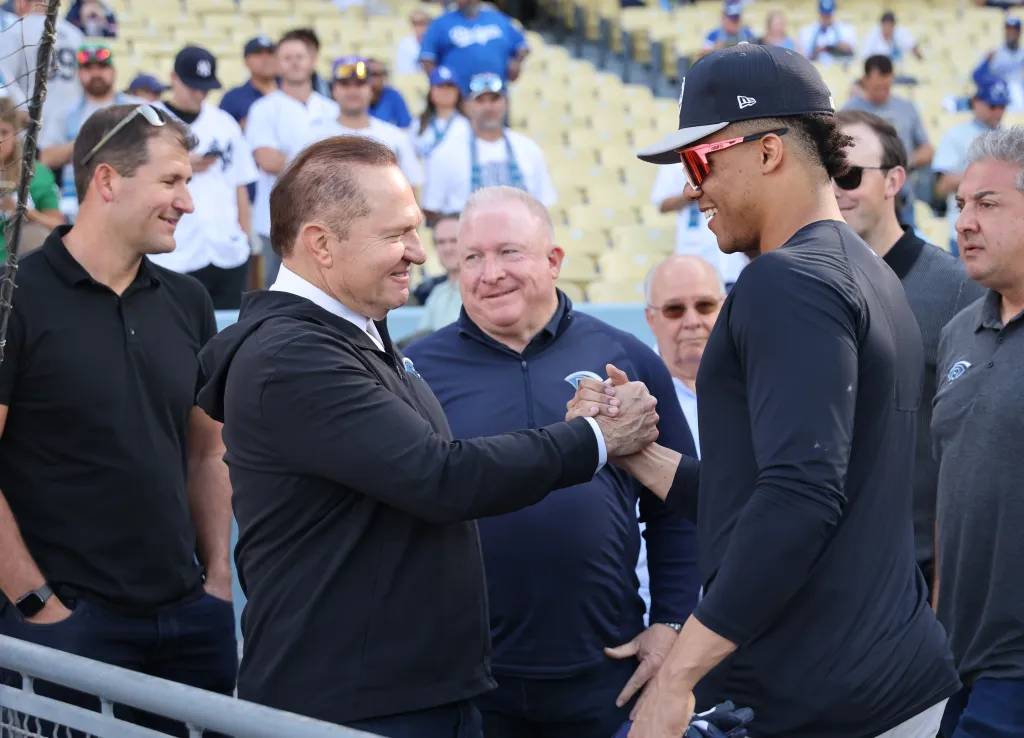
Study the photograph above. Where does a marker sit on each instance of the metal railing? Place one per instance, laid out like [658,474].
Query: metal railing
[26,714]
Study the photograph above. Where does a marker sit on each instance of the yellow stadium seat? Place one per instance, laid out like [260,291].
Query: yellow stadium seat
[626,265]
[587,216]
[572,290]
[643,239]
[578,268]
[590,242]
[616,291]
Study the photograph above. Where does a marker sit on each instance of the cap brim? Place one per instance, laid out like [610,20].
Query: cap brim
[204,84]
[665,151]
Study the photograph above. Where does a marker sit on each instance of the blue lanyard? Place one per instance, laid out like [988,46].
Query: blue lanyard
[513,175]
[438,133]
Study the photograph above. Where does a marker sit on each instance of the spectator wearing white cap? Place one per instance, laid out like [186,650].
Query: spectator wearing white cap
[828,40]
[441,115]
[489,154]
[211,242]
[350,88]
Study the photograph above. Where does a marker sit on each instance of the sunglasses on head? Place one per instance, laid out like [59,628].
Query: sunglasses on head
[94,55]
[147,112]
[853,177]
[676,310]
[356,70]
[695,158]
[482,83]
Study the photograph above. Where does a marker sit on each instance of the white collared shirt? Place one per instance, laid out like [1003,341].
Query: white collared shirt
[688,402]
[290,282]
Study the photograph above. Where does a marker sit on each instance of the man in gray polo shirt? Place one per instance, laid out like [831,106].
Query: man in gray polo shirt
[937,287]
[876,97]
[978,429]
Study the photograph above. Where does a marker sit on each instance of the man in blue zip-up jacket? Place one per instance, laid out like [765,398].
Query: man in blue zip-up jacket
[561,577]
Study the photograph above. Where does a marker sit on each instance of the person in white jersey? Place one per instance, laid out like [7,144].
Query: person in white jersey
[440,116]
[212,242]
[350,88]
[692,233]
[19,43]
[279,125]
[487,155]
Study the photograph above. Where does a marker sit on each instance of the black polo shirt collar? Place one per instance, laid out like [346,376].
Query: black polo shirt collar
[904,252]
[991,314]
[544,337]
[68,269]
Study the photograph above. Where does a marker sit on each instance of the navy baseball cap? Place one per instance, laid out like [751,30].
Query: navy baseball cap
[826,7]
[733,10]
[1012,21]
[147,82]
[197,68]
[741,82]
[442,75]
[258,45]
[993,90]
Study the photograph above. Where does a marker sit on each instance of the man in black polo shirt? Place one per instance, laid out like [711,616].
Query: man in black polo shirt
[813,610]
[937,287]
[112,479]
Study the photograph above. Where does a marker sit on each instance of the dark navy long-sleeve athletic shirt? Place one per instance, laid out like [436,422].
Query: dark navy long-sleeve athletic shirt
[809,388]
[561,574]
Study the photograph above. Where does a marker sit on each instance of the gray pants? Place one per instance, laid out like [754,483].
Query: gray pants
[922,725]
[271,261]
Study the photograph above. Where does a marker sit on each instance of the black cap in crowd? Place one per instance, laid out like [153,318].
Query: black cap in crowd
[258,45]
[197,68]
[741,82]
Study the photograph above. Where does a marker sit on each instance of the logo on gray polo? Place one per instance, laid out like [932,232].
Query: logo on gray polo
[957,370]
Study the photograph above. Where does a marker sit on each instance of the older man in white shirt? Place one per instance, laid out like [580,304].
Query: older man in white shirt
[684,296]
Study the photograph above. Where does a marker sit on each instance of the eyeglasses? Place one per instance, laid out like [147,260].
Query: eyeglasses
[486,82]
[676,310]
[852,179]
[148,112]
[355,70]
[94,55]
[695,158]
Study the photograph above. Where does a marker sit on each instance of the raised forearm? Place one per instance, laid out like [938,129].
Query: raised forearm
[654,467]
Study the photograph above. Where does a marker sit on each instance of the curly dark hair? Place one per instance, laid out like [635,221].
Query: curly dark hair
[817,135]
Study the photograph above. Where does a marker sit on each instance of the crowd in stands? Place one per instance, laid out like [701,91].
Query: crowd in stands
[459,140]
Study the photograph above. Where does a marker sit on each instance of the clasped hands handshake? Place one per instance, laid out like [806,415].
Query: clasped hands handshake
[625,411]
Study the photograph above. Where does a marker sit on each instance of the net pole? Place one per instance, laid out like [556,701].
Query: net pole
[28,160]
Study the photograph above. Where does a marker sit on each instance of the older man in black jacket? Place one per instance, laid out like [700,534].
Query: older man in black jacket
[356,551]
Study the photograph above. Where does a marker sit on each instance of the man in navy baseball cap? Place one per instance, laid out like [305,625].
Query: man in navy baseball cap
[809,386]
[197,68]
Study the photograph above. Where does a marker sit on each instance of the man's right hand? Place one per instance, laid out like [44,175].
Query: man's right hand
[53,612]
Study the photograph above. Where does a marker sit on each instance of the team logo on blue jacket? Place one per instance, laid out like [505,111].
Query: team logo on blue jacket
[410,368]
[957,370]
[576,377]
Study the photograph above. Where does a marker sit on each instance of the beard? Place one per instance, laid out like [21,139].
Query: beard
[98,87]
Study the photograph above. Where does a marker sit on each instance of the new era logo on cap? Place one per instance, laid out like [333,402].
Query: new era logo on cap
[745,102]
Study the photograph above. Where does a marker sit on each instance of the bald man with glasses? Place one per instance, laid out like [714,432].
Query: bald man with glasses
[115,511]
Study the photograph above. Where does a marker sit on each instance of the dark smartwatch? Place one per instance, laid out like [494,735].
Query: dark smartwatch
[31,603]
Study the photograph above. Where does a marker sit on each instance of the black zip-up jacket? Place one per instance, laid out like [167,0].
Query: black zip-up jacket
[362,571]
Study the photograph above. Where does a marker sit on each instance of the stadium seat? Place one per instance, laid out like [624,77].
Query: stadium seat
[616,291]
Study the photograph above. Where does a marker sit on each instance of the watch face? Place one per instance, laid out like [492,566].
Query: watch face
[30,604]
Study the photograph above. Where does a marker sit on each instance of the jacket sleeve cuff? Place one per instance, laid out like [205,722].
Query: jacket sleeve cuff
[602,447]
[577,444]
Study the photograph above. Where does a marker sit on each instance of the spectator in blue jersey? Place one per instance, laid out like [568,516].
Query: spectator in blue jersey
[567,622]
[260,54]
[387,103]
[731,31]
[471,40]
[1006,63]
